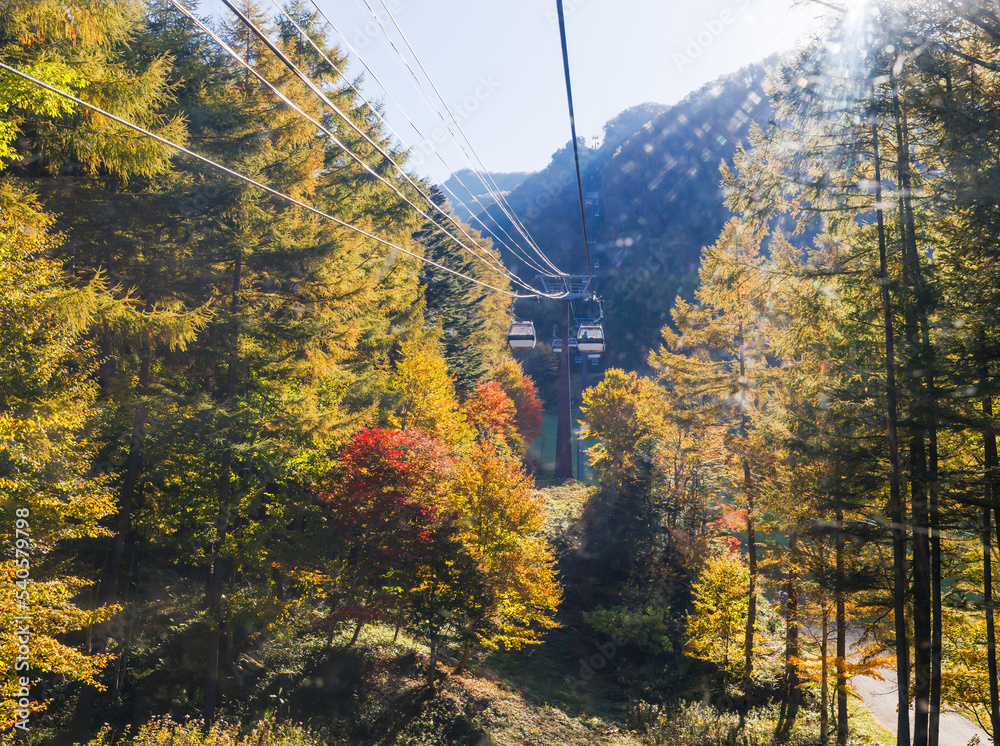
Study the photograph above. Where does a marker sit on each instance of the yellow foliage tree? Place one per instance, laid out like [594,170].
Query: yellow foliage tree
[620,412]
[47,495]
[965,681]
[501,517]
[715,628]
[425,395]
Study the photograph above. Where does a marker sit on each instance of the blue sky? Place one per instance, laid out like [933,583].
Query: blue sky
[498,64]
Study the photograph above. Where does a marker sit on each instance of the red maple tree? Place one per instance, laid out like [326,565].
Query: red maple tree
[381,503]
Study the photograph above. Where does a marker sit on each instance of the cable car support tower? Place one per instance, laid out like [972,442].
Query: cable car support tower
[571,287]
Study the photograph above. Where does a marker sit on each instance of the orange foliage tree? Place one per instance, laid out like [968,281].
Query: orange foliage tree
[522,391]
[493,416]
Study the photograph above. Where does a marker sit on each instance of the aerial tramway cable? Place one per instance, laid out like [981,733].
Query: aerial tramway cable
[374,110]
[494,191]
[495,264]
[253,182]
[498,194]
[423,137]
[572,126]
[498,266]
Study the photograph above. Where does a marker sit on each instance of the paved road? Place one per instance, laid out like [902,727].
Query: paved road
[880,698]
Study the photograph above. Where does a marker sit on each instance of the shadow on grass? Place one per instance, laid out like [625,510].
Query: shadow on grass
[550,673]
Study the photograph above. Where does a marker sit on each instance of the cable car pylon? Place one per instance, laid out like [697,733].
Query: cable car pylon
[569,287]
[588,341]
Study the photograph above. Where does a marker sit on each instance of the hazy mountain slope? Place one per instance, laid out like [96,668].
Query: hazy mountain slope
[653,200]
[467,187]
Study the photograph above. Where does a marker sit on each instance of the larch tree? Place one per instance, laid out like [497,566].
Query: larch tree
[424,394]
[50,493]
[716,357]
[501,518]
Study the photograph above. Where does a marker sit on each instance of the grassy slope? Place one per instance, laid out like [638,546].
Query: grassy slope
[512,697]
[377,693]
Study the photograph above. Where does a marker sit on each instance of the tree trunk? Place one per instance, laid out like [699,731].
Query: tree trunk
[109,586]
[919,366]
[793,692]
[215,586]
[898,528]
[992,501]
[751,605]
[991,637]
[218,568]
[751,552]
[432,663]
[989,493]
[936,612]
[357,631]
[399,623]
[465,658]
[108,590]
[938,618]
[824,691]
[841,637]
[921,592]
[106,368]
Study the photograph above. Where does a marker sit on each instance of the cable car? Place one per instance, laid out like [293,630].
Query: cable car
[521,335]
[590,338]
[557,344]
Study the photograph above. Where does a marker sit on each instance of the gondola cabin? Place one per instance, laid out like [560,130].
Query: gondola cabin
[557,345]
[521,335]
[590,338]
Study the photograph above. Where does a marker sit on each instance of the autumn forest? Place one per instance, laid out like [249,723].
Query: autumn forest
[271,475]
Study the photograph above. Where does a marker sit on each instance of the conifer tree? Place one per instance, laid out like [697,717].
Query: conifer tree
[50,493]
[718,357]
[458,306]
[303,309]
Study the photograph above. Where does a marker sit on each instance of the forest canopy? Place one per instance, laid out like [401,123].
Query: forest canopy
[266,458]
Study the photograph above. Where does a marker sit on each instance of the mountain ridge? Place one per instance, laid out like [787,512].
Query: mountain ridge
[652,201]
